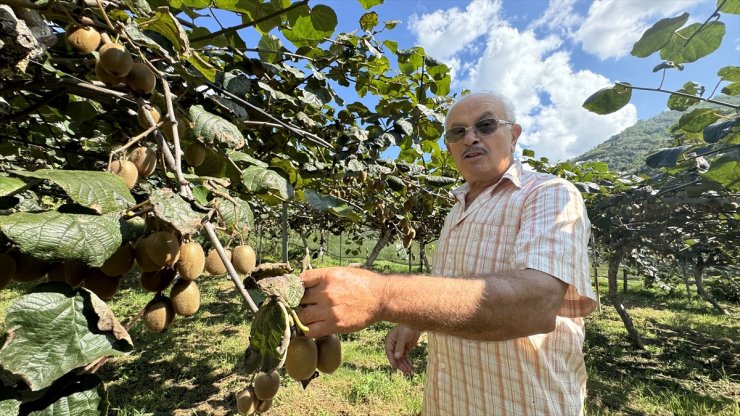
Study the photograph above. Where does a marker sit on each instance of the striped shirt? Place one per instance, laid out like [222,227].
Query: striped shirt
[527,220]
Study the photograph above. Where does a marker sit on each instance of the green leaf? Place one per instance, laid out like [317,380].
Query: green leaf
[172,209]
[730,73]
[9,407]
[322,203]
[269,48]
[725,171]
[259,180]
[729,6]
[102,192]
[311,26]
[528,152]
[703,42]
[679,102]
[697,120]
[658,35]
[665,158]
[57,329]
[164,23]
[366,4]
[9,185]
[609,100]
[269,335]
[237,217]
[80,395]
[368,21]
[287,288]
[54,236]
[201,64]
[717,131]
[215,130]
[410,60]
[732,89]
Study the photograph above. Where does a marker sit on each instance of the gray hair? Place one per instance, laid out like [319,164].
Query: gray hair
[509,108]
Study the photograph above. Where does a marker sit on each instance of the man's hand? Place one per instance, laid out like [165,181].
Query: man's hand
[398,343]
[339,300]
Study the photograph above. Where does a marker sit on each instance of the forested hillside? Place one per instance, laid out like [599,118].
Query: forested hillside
[626,151]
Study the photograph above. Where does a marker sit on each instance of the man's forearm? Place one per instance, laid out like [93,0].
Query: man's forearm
[497,307]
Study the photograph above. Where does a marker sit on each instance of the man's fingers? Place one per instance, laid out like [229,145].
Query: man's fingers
[312,277]
[318,329]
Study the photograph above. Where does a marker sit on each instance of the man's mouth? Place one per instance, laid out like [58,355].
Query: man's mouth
[472,153]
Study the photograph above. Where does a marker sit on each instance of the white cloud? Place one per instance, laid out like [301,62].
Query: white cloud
[559,17]
[445,33]
[536,74]
[613,26]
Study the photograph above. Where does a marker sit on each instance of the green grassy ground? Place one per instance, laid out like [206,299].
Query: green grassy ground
[691,365]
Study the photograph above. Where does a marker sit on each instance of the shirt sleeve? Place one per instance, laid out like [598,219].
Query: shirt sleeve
[553,238]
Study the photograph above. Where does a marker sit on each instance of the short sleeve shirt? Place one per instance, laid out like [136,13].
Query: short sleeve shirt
[527,220]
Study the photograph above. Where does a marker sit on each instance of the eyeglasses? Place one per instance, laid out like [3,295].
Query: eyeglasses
[481,128]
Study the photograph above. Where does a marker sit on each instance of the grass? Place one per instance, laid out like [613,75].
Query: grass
[691,365]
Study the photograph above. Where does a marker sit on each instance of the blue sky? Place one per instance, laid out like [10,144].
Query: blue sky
[549,56]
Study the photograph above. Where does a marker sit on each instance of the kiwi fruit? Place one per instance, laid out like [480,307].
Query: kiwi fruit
[263,405]
[28,268]
[195,154]
[120,262]
[145,160]
[7,269]
[75,272]
[102,285]
[302,358]
[158,314]
[83,39]
[157,281]
[407,240]
[56,273]
[115,59]
[214,265]
[126,171]
[329,353]
[141,79]
[153,111]
[185,297]
[192,261]
[142,258]
[104,77]
[246,402]
[182,127]
[244,259]
[266,385]
[163,248]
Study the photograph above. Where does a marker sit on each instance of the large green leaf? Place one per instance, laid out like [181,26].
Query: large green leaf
[725,171]
[269,335]
[238,217]
[658,35]
[76,395]
[57,329]
[608,100]
[704,40]
[368,21]
[270,48]
[729,6]
[171,208]
[215,130]
[164,23]
[9,185]
[259,180]
[731,89]
[9,407]
[665,157]
[697,120]
[55,236]
[310,26]
[730,73]
[321,202]
[678,102]
[288,288]
[102,192]
[366,4]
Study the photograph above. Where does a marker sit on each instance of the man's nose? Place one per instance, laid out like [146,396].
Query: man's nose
[470,137]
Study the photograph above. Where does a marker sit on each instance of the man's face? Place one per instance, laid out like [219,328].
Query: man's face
[482,159]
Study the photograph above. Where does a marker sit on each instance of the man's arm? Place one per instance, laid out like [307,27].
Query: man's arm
[496,307]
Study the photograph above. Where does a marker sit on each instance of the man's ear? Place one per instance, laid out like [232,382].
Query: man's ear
[516,131]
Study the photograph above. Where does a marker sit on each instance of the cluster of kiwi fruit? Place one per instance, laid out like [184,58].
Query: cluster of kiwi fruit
[141,163]
[115,63]
[104,281]
[409,233]
[305,356]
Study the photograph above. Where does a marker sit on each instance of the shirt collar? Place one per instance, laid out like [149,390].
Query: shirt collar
[513,174]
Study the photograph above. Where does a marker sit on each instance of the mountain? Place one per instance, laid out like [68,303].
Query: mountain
[626,151]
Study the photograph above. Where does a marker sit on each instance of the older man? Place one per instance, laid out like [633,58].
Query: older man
[510,287]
